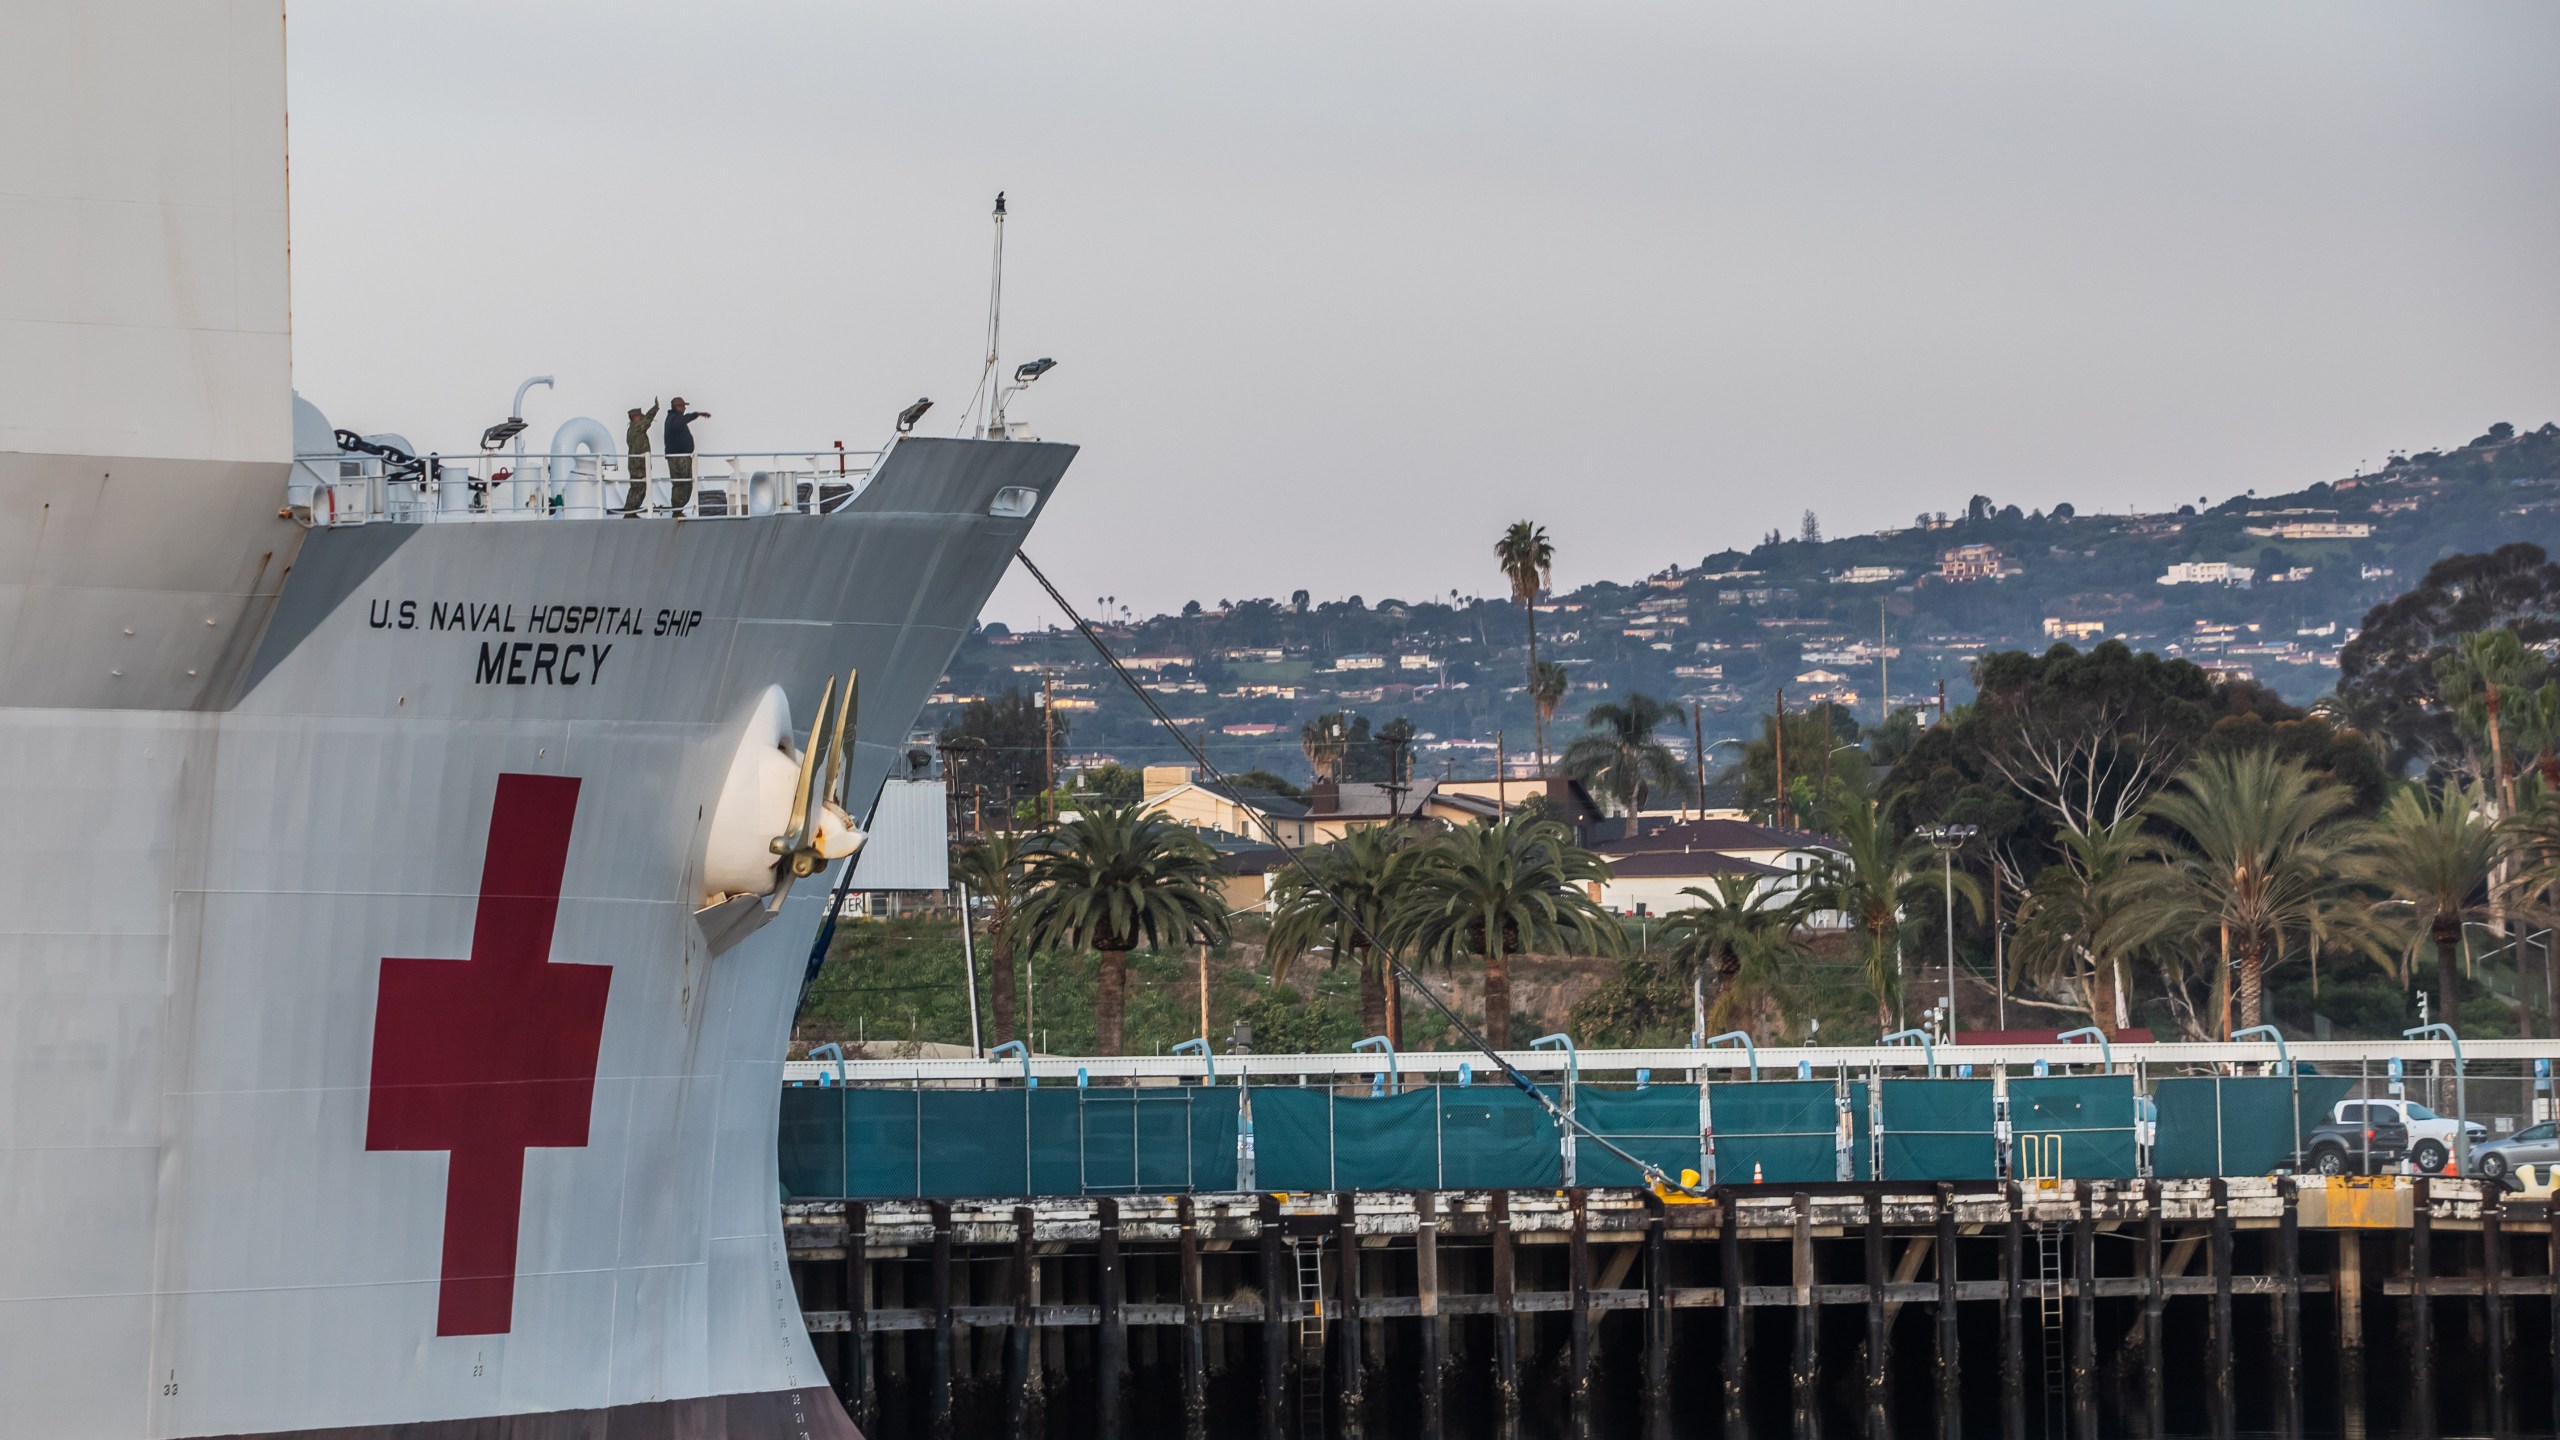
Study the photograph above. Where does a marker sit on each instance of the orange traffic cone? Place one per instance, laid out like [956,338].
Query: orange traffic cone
[1755,1172]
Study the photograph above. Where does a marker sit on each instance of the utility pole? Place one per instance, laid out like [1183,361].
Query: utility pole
[1949,839]
[1778,745]
[1048,749]
[1999,950]
[1884,677]
[1698,737]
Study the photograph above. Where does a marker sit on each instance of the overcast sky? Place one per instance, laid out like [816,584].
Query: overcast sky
[1337,291]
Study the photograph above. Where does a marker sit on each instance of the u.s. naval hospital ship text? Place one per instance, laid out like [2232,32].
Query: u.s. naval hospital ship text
[395,953]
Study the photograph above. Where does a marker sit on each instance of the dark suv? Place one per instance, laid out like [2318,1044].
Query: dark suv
[2337,1147]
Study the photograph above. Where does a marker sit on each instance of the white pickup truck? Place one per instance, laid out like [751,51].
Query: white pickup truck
[2430,1134]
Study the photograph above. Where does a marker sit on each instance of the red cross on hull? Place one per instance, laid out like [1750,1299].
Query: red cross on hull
[487,1057]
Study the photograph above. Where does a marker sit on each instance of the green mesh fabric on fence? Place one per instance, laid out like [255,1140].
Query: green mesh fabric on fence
[1658,1124]
[1447,1137]
[890,1143]
[1939,1130]
[1788,1128]
[905,1143]
[2076,1127]
[812,1140]
[2244,1125]
[1496,1135]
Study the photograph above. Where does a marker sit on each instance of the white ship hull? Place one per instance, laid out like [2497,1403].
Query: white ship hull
[202,1231]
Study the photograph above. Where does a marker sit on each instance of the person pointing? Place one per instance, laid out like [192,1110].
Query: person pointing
[680,449]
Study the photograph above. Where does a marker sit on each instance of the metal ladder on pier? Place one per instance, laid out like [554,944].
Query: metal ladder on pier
[1311,1392]
[2057,1364]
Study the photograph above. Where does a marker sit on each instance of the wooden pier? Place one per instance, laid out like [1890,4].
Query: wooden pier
[2086,1309]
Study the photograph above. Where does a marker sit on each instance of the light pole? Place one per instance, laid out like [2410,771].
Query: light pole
[1949,839]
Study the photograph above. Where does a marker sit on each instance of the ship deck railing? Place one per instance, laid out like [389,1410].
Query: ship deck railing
[350,488]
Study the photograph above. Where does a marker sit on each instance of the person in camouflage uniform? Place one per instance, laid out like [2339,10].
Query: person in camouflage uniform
[636,445]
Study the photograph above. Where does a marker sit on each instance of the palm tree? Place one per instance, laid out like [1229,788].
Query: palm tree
[2435,850]
[993,870]
[1527,561]
[1548,683]
[1495,889]
[1743,930]
[1876,874]
[2262,856]
[1112,878]
[1326,739]
[2475,679]
[2072,932]
[1341,898]
[1618,758]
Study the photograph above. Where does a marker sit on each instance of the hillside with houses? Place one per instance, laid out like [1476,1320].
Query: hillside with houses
[2267,587]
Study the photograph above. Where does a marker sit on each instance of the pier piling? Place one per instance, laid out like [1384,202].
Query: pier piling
[1950,1377]
[1195,1357]
[2084,1337]
[862,1398]
[2218,1260]
[1021,1404]
[2013,1319]
[2288,1327]
[1578,1330]
[1737,1319]
[1804,1377]
[1878,1423]
[1435,1328]
[2155,1301]
[1506,1324]
[1657,1321]
[2422,1338]
[938,1398]
[2346,1286]
[1275,1316]
[1355,1375]
[1111,1360]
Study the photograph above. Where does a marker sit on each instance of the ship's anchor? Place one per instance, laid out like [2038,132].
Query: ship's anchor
[822,828]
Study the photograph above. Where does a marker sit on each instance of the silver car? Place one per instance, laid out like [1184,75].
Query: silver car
[2533,1145]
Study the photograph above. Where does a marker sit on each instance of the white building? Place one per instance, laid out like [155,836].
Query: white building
[2207,572]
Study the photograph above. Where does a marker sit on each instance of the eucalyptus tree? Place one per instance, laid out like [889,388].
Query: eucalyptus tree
[1341,899]
[1116,877]
[1618,758]
[1528,561]
[994,870]
[1495,889]
[1875,877]
[2254,856]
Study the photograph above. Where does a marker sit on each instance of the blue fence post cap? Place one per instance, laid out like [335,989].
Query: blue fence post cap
[1804,1069]
[1644,1077]
[1466,1074]
[2043,1069]
[1964,1072]
[1084,1078]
